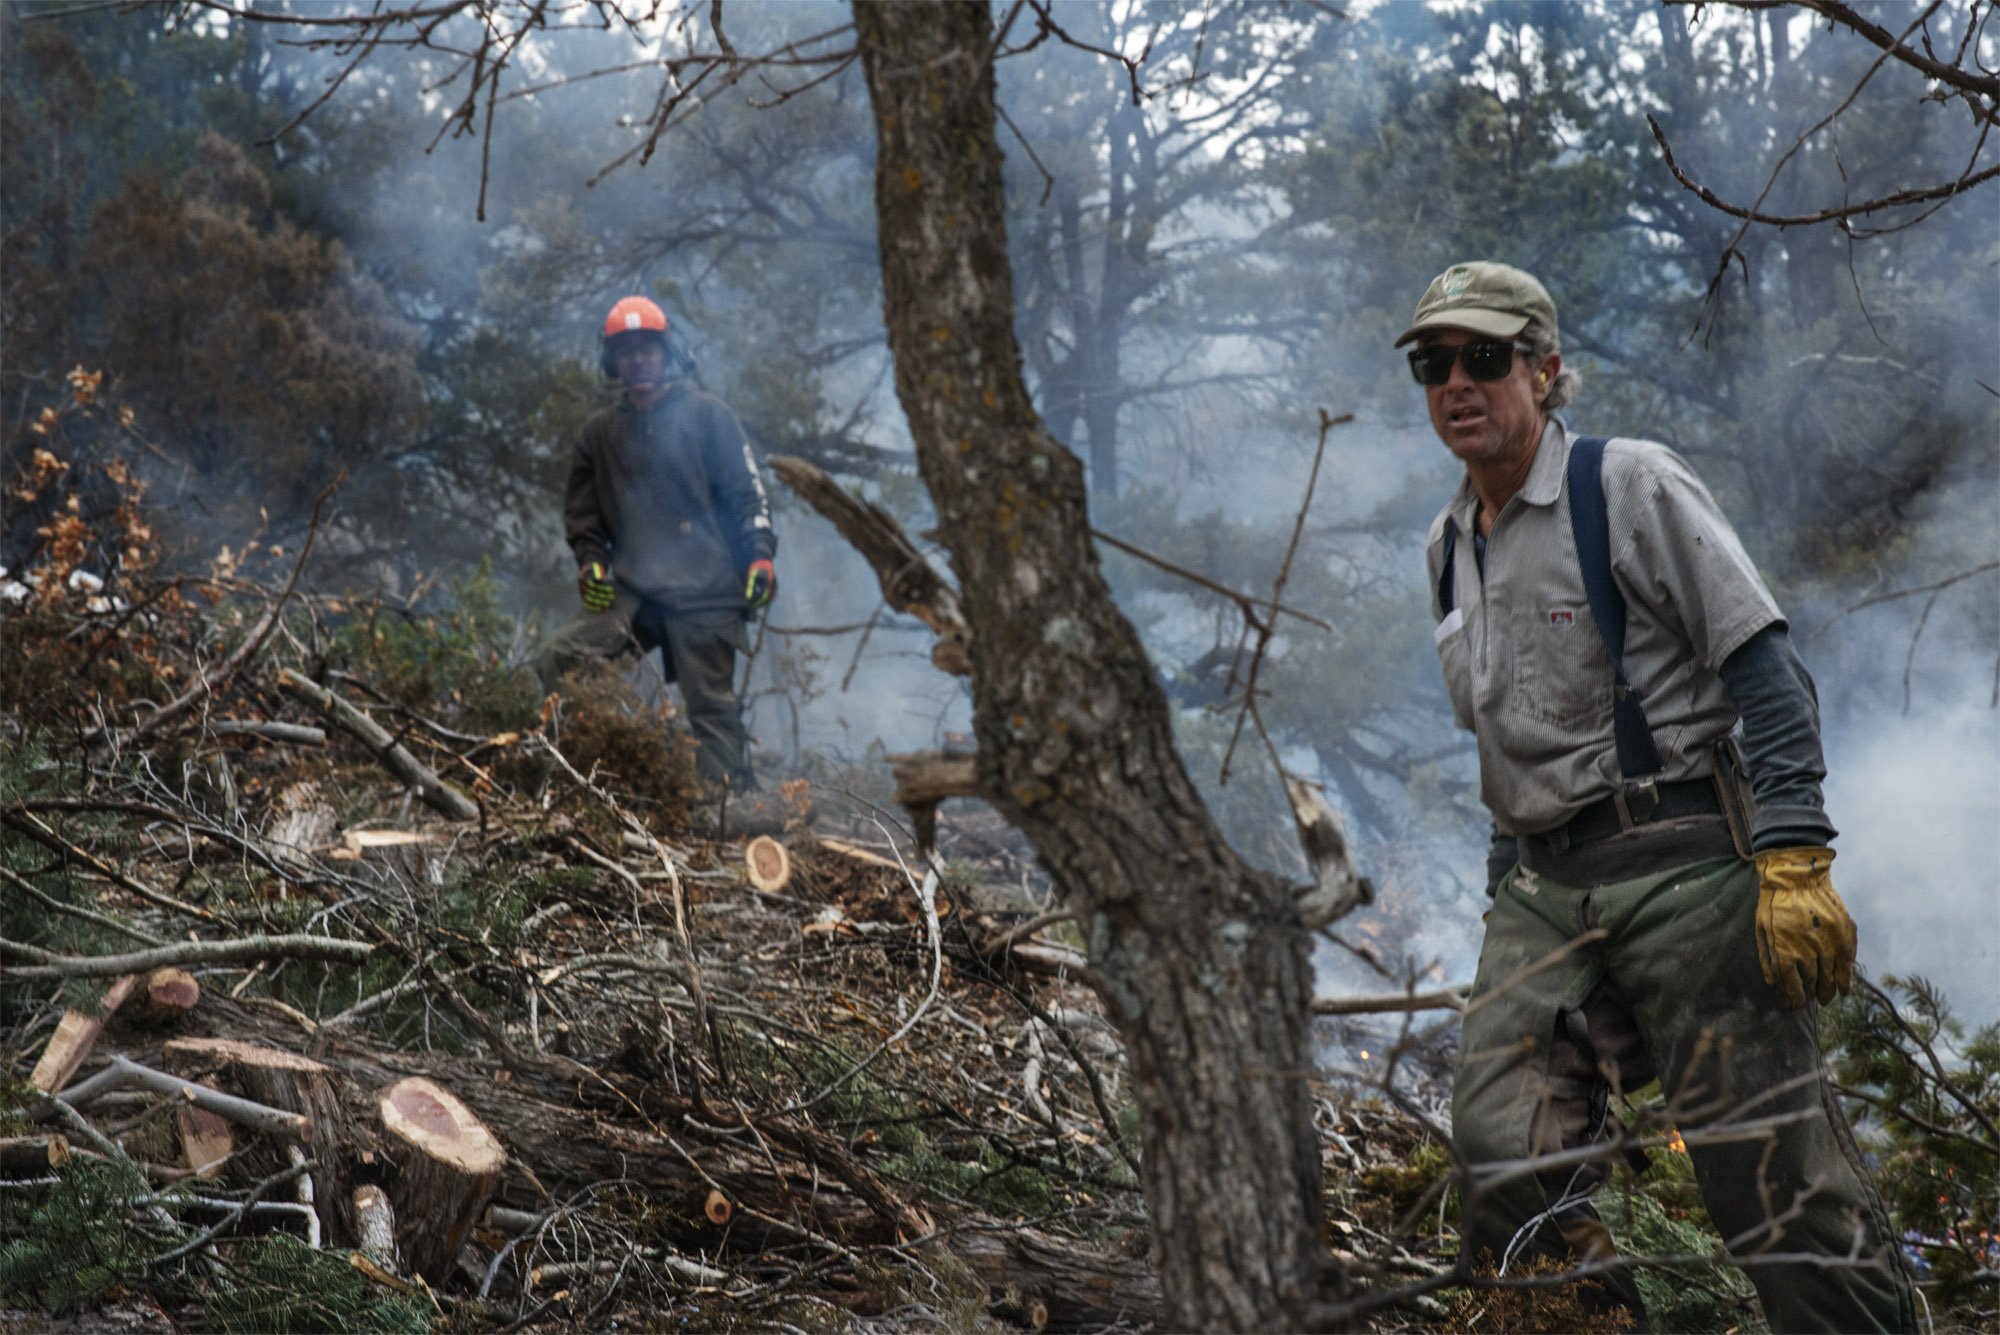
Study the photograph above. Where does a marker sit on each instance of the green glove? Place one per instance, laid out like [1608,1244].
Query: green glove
[760,586]
[1805,940]
[594,583]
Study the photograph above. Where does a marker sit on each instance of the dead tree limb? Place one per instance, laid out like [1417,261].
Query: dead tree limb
[299,734]
[1394,1003]
[909,582]
[237,950]
[1244,602]
[20,818]
[435,792]
[1338,887]
[123,1073]
[55,905]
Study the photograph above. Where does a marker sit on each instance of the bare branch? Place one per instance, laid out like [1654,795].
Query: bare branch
[235,950]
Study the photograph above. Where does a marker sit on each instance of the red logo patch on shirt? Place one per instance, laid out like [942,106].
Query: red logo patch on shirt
[1562,616]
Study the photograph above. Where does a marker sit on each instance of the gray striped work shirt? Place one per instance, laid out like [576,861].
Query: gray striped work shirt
[1523,663]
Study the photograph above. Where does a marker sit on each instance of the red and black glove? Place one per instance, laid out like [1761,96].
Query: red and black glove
[760,586]
[594,583]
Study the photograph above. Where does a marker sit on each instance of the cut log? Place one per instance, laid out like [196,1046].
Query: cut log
[165,998]
[375,1226]
[293,1084]
[1070,1283]
[76,1034]
[207,1140]
[769,865]
[447,1164]
[32,1156]
[718,1209]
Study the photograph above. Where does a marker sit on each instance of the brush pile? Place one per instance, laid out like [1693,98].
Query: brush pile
[351,983]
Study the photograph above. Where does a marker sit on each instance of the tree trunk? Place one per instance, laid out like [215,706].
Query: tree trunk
[1203,959]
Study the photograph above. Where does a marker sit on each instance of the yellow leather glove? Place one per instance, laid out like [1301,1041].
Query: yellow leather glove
[1805,940]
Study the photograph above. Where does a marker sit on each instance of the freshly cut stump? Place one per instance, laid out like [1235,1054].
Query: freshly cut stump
[165,998]
[770,867]
[447,1164]
[289,1083]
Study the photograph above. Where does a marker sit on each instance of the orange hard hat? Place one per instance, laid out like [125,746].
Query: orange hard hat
[633,314]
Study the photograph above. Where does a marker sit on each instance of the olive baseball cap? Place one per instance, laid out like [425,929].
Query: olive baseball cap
[1497,300]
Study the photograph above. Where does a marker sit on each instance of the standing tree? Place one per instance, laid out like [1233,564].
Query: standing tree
[1203,959]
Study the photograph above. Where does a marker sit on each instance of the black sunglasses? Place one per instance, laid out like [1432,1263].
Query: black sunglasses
[1483,361]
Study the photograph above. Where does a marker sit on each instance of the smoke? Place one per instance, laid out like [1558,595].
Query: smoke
[1917,800]
[1917,795]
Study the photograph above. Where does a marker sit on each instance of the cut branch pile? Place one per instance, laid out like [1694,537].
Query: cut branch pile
[471,1013]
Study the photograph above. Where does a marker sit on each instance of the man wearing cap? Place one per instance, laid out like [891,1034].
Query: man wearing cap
[1662,905]
[671,528]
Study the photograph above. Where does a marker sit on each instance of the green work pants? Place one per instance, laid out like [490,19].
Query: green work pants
[697,650]
[1558,1024]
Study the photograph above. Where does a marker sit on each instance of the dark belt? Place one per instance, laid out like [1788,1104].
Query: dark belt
[1601,843]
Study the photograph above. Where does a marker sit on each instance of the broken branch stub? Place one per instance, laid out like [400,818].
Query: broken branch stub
[926,778]
[910,583]
[1338,887]
[448,1165]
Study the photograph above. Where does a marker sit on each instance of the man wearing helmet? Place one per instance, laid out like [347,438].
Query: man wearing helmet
[671,528]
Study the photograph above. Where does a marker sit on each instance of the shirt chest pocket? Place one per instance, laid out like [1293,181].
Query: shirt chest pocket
[1561,674]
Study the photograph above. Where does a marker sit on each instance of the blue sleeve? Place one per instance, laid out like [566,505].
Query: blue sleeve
[1780,710]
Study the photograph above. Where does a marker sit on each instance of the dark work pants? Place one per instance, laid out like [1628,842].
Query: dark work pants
[1674,990]
[697,650]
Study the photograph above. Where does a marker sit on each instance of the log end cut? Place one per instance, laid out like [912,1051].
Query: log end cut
[166,997]
[430,1119]
[768,864]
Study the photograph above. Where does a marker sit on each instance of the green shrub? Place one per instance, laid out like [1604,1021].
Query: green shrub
[450,663]
[277,1284]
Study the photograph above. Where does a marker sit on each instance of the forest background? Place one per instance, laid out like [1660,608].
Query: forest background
[274,300]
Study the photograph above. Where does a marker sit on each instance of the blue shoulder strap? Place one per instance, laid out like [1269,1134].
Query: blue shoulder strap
[1447,591]
[1590,520]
